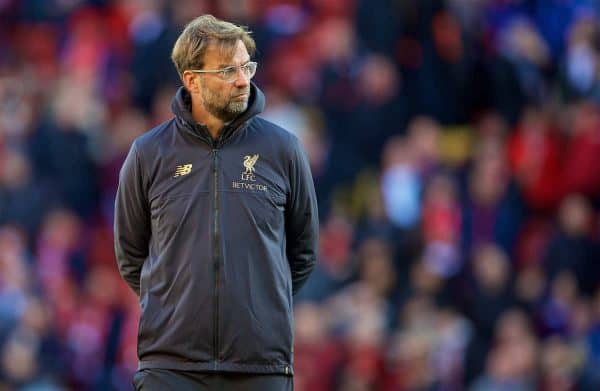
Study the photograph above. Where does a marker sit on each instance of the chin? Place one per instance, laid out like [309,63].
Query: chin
[238,108]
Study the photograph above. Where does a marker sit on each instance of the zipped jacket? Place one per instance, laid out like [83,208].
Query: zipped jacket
[215,236]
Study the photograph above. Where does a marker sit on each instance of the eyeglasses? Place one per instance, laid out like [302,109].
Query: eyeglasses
[229,74]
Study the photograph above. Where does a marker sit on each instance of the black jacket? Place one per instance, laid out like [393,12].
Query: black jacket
[215,237]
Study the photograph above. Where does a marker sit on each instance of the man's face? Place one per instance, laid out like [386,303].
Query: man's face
[224,100]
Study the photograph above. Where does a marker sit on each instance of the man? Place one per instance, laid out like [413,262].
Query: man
[216,226]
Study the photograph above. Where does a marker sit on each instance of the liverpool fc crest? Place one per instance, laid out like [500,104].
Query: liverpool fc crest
[249,162]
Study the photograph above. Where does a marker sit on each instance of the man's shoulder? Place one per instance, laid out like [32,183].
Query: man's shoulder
[272,129]
[152,137]
[274,132]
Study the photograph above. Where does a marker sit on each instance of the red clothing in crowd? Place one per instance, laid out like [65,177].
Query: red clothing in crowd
[535,159]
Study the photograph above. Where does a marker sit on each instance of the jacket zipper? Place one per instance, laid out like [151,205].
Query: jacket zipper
[216,243]
[216,246]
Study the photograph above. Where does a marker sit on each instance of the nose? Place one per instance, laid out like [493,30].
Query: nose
[241,79]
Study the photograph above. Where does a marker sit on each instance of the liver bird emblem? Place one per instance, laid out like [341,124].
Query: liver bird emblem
[249,162]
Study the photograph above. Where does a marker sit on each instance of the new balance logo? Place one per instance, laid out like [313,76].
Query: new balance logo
[182,170]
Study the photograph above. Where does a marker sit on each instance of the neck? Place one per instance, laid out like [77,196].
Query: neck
[203,117]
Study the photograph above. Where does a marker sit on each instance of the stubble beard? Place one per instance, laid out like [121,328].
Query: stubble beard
[228,111]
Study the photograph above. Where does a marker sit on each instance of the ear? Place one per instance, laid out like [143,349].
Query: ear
[191,81]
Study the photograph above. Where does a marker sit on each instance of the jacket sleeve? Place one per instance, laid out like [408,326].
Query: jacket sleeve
[132,221]
[301,220]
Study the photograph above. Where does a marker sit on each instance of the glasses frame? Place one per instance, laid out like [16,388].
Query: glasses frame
[219,72]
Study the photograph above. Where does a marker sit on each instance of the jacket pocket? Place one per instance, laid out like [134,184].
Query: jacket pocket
[170,215]
[254,208]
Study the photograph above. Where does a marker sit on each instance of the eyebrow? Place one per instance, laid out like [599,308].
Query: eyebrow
[230,65]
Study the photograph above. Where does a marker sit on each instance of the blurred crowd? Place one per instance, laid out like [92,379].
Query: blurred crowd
[455,147]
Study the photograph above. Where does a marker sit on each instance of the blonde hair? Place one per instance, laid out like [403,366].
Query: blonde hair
[188,51]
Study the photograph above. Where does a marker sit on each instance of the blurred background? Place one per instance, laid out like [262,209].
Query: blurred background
[455,147]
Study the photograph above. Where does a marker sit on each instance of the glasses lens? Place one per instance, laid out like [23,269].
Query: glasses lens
[249,69]
[229,73]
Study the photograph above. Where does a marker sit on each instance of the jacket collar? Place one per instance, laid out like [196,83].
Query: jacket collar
[181,106]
